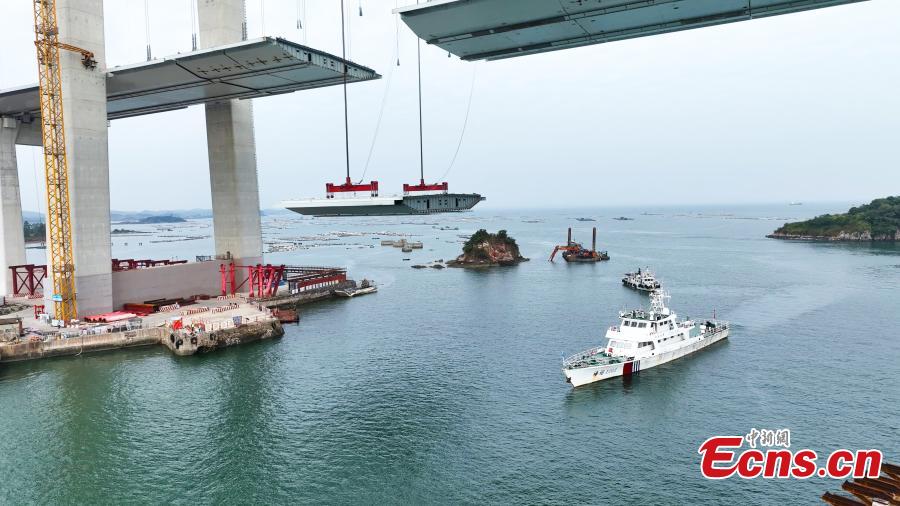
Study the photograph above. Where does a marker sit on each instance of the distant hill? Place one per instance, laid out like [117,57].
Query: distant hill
[136,216]
[151,220]
[876,221]
[32,216]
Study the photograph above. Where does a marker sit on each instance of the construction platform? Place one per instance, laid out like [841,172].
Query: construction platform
[252,302]
[185,330]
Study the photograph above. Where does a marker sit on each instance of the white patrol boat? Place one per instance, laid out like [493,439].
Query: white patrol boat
[641,280]
[643,339]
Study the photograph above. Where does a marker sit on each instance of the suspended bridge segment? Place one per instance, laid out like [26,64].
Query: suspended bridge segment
[496,29]
[249,69]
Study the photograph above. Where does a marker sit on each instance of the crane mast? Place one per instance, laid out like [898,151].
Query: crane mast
[60,257]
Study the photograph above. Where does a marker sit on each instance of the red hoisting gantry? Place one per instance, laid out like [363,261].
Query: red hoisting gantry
[349,187]
[422,187]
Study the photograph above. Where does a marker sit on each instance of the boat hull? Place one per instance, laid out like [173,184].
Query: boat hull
[585,375]
[640,288]
[355,292]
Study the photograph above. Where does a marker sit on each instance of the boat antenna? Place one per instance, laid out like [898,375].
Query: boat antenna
[421,142]
[346,118]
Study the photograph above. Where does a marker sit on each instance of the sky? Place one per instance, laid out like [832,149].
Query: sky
[802,107]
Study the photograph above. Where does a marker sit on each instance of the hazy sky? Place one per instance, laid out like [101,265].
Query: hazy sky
[799,107]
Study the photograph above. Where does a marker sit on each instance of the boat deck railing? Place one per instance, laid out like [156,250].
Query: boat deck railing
[593,356]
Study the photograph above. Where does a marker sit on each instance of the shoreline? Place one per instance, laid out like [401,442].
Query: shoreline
[842,237]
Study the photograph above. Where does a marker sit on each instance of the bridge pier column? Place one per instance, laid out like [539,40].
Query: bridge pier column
[87,149]
[12,237]
[232,147]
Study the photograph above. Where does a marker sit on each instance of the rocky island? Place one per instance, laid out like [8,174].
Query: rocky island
[876,221]
[484,249]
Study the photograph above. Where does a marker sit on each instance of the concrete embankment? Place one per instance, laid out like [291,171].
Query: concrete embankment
[305,297]
[190,343]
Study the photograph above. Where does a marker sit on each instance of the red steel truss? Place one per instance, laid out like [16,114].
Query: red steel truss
[28,279]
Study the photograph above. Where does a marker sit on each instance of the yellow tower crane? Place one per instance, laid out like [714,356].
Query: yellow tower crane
[59,217]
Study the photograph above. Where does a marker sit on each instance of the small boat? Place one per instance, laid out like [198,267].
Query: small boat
[365,287]
[643,339]
[641,280]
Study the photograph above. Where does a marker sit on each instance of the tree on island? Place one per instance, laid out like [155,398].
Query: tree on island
[485,249]
[34,231]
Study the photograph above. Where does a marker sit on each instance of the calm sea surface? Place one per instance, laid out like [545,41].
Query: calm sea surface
[445,386]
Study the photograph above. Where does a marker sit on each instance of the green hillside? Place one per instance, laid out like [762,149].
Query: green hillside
[880,219]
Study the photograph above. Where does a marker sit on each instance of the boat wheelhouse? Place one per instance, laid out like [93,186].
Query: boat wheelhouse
[641,280]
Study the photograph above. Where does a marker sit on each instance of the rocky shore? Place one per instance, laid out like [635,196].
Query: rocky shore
[484,249]
[840,236]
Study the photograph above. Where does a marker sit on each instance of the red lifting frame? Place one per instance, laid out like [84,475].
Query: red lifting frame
[349,187]
[422,187]
[28,278]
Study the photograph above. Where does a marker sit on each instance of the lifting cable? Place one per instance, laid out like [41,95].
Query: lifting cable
[384,97]
[346,117]
[387,87]
[299,15]
[397,27]
[192,6]
[147,27]
[262,17]
[462,134]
